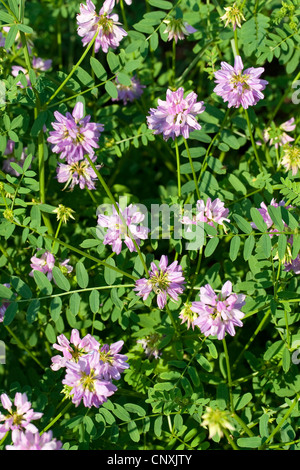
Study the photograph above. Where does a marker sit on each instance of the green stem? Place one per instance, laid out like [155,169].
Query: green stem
[231,442]
[243,425]
[178,168]
[73,70]
[113,201]
[22,346]
[123,14]
[250,341]
[252,141]
[173,62]
[57,417]
[229,381]
[278,427]
[192,167]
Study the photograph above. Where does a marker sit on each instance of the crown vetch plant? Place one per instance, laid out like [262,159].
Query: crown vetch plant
[149,225]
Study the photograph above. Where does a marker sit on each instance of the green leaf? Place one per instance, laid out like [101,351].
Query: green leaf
[248,247]
[21,288]
[133,431]
[243,401]
[211,246]
[55,308]
[258,219]
[43,283]
[275,214]
[242,223]
[6,293]
[286,359]
[109,274]
[124,79]
[82,275]
[11,36]
[111,89]
[113,62]
[98,69]
[94,301]
[161,4]
[33,310]
[234,247]
[50,333]
[10,313]
[250,442]
[60,280]
[74,303]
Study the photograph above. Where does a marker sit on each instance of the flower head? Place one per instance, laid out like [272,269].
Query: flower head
[85,383]
[178,29]
[78,173]
[104,25]
[233,15]
[128,2]
[72,349]
[112,364]
[237,87]
[164,281]
[130,92]
[19,416]
[45,264]
[216,421]
[74,136]
[33,441]
[187,315]
[63,213]
[123,225]
[291,158]
[278,135]
[211,212]
[293,265]
[177,115]
[218,313]
[150,345]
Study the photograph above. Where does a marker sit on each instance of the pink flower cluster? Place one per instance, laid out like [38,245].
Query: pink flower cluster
[45,264]
[89,368]
[238,87]
[73,138]
[18,419]
[163,280]
[122,225]
[211,212]
[177,115]
[105,26]
[218,313]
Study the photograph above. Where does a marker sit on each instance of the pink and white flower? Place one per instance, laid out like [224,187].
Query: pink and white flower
[177,115]
[163,280]
[19,414]
[238,87]
[123,225]
[105,25]
[218,313]
[74,136]
[33,441]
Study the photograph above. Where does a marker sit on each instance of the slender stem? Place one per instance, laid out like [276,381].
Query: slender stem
[278,427]
[178,168]
[173,62]
[252,141]
[192,167]
[260,326]
[229,381]
[123,14]
[231,442]
[243,425]
[113,201]
[21,345]
[196,273]
[56,235]
[73,69]
[57,417]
